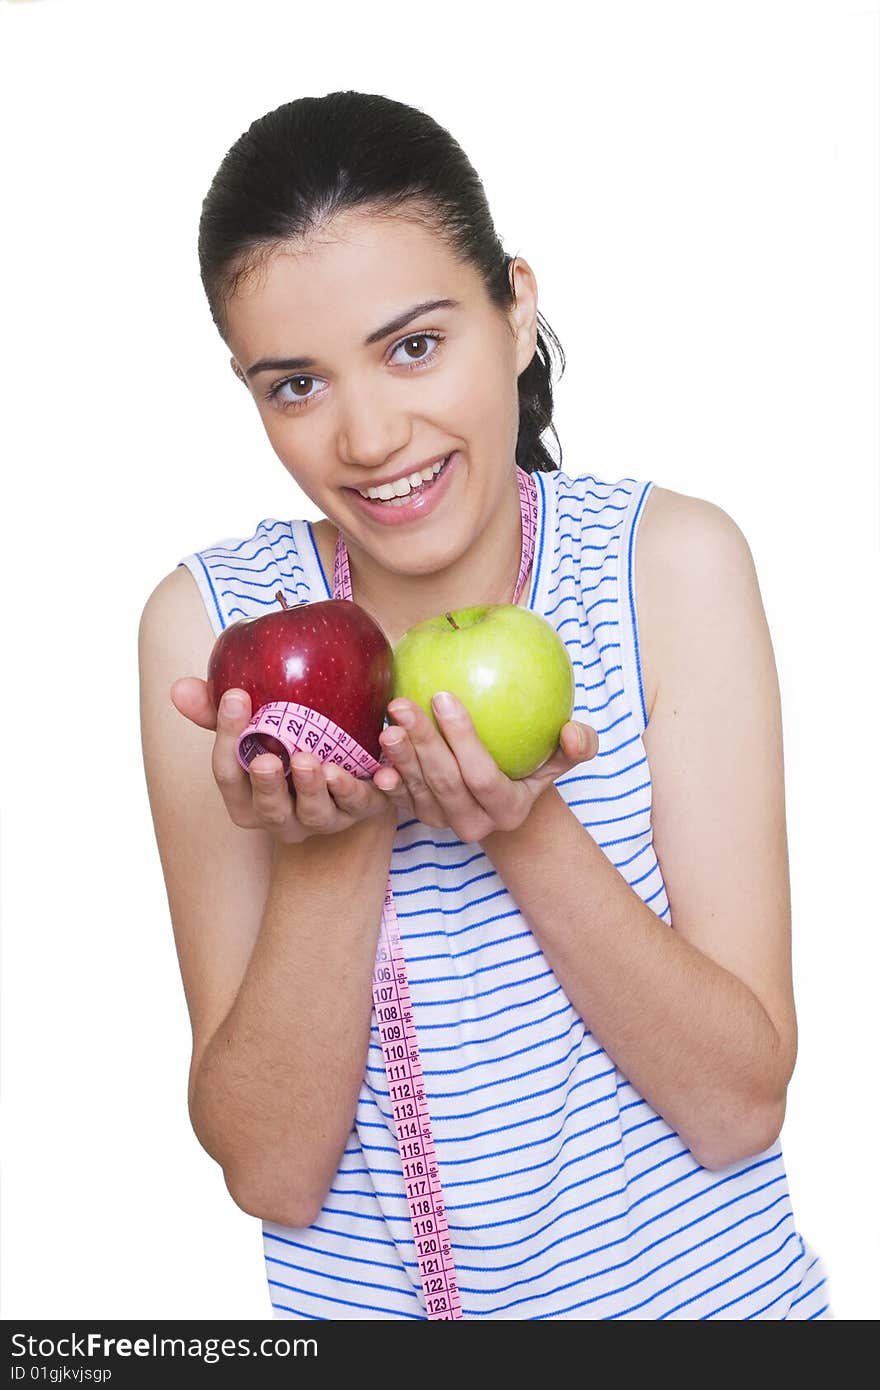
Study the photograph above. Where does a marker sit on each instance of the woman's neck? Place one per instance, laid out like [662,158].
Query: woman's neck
[486,573]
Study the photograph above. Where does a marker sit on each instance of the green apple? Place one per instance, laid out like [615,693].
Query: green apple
[507,665]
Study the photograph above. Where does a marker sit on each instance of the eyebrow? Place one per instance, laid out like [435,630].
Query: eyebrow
[296,364]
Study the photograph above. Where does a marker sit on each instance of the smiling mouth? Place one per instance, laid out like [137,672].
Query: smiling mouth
[399,493]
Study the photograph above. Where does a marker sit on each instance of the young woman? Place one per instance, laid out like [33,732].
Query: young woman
[598,954]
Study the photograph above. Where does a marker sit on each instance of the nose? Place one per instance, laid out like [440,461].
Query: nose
[371,429]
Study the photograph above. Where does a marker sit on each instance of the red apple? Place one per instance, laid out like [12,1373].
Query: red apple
[330,656]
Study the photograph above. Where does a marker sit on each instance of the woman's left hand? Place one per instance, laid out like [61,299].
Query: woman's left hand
[451,779]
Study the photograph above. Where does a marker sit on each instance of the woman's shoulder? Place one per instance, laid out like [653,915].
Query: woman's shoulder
[678,533]
[175,608]
[689,553]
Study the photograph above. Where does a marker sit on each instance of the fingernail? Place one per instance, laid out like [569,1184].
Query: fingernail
[403,714]
[391,740]
[232,706]
[444,703]
[302,765]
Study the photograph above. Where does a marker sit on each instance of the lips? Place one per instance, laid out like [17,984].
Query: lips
[415,505]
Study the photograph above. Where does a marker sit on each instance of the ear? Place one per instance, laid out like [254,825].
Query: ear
[237,369]
[524,312]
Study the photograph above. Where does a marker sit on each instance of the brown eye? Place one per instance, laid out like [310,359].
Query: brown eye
[415,340]
[419,339]
[297,398]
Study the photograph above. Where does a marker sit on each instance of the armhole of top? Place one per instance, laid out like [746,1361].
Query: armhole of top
[199,571]
[316,580]
[629,627]
[237,578]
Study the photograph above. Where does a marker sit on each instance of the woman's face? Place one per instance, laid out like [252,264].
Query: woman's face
[374,401]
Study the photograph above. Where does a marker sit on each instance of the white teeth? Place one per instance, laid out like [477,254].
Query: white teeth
[389,492]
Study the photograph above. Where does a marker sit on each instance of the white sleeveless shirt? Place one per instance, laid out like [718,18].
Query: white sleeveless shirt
[567,1196]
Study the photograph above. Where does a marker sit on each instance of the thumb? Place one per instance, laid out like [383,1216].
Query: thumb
[579,742]
[189,696]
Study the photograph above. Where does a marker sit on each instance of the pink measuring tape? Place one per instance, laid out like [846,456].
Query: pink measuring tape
[298,727]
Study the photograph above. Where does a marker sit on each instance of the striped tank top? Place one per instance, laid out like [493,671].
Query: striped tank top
[567,1196]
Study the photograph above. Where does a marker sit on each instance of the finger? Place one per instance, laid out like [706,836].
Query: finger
[234,783]
[357,796]
[579,742]
[315,807]
[189,695]
[387,779]
[484,783]
[401,751]
[271,802]
[393,788]
[398,752]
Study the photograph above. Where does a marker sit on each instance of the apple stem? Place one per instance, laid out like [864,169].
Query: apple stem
[281,599]
[452,620]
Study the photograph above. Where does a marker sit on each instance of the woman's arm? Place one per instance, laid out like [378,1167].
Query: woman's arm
[700,1018]
[275,1093]
[276,946]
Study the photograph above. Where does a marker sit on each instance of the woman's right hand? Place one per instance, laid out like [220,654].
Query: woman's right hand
[291,808]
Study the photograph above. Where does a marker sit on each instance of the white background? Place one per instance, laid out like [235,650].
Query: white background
[696,188]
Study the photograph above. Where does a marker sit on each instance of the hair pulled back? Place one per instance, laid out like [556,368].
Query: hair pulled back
[297,167]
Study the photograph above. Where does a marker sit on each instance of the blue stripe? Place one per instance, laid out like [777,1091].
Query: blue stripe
[378,1240]
[441,888]
[620,796]
[473,1136]
[349,1259]
[277,558]
[270,584]
[540,542]
[505,1008]
[343,1302]
[286,1308]
[338,1278]
[250,598]
[433,863]
[564,1109]
[632,601]
[263,528]
[477,970]
[311,535]
[736,1275]
[590,511]
[439,1095]
[597,496]
[603,777]
[564,579]
[486,1040]
[601,545]
[456,912]
[573,600]
[481,994]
